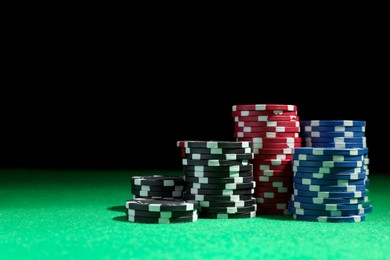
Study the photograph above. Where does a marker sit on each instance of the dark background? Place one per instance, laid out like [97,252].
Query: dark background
[137,127]
[112,97]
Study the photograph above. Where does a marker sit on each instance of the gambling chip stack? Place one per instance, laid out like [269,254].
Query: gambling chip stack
[161,211]
[219,175]
[330,185]
[157,186]
[336,134]
[274,131]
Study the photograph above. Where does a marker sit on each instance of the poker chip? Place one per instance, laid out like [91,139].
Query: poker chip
[333,123]
[214,144]
[223,186]
[335,158]
[228,210]
[240,203]
[230,168]
[228,157]
[228,216]
[316,200]
[352,218]
[264,107]
[265,118]
[330,151]
[211,180]
[220,151]
[243,113]
[267,124]
[158,205]
[217,174]
[152,220]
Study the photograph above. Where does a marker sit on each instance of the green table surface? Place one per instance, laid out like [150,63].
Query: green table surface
[79,214]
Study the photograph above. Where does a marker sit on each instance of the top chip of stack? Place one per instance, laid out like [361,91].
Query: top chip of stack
[218,174]
[274,131]
[157,186]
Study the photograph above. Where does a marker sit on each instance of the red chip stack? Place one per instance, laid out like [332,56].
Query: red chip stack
[274,131]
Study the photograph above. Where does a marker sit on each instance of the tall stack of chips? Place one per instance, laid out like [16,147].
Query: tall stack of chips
[219,175]
[331,176]
[274,131]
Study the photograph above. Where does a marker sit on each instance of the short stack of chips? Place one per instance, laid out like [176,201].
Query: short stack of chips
[157,186]
[162,211]
[274,130]
[336,134]
[219,175]
[329,185]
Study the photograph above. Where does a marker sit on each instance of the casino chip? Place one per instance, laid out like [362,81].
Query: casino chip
[274,130]
[219,175]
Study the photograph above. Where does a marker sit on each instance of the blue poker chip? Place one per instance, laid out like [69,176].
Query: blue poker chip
[329,188]
[351,219]
[332,123]
[331,194]
[333,213]
[326,207]
[336,158]
[316,200]
[325,176]
[332,134]
[328,164]
[330,151]
[332,182]
[334,128]
[336,145]
[337,170]
[360,140]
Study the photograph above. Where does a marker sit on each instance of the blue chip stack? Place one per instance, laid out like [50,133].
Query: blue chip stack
[330,184]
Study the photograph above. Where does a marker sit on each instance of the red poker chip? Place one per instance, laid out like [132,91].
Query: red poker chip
[264,107]
[264,134]
[245,113]
[265,118]
[277,129]
[267,123]
[276,145]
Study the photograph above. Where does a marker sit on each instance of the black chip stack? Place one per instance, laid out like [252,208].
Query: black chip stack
[219,174]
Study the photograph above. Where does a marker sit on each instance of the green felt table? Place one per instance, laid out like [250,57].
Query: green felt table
[79,214]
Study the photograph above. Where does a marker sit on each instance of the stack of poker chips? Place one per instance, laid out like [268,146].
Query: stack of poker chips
[219,175]
[161,211]
[329,185]
[274,131]
[157,186]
